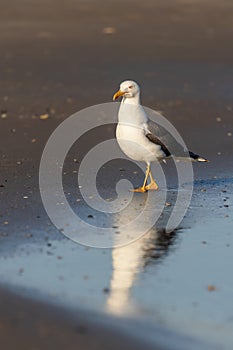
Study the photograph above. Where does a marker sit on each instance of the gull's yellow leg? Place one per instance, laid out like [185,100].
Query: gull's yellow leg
[144,187]
[152,185]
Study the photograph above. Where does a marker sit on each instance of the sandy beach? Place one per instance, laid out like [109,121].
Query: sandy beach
[166,290]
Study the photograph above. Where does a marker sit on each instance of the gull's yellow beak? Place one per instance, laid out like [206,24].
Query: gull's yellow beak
[118,94]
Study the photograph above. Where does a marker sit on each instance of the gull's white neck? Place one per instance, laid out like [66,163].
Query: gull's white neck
[131,111]
[135,100]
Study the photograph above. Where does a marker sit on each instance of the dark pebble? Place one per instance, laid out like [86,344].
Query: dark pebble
[106,290]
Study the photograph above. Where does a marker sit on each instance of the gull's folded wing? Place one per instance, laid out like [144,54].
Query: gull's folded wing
[170,146]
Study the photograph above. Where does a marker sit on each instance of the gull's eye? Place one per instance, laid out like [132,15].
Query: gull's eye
[131,86]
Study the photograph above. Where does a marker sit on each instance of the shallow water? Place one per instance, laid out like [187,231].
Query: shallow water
[180,280]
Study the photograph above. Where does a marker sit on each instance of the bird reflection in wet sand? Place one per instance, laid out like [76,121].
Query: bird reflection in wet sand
[130,261]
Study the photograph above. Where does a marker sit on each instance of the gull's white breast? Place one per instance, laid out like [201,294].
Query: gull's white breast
[131,134]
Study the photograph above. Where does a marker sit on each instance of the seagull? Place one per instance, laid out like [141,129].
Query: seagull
[140,138]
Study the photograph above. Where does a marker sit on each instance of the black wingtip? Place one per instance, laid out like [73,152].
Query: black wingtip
[197,157]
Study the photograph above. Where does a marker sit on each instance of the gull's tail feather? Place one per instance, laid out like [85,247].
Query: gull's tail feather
[197,158]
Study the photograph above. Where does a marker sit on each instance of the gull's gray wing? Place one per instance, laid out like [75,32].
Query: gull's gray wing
[169,145]
[151,136]
[159,135]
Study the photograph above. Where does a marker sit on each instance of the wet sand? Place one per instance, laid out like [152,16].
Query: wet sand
[57,59]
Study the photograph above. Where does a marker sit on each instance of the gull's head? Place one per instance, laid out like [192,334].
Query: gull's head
[128,89]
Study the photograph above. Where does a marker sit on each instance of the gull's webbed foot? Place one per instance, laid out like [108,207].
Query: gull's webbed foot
[142,189]
[152,186]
